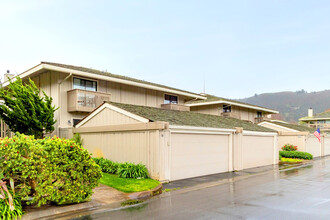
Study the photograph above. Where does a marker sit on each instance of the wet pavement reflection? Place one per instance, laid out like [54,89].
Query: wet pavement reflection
[292,193]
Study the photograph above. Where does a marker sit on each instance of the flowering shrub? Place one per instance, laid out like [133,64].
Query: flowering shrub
[48,170]
[289,147]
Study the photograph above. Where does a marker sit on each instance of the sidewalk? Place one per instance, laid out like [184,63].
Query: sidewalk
[103,195]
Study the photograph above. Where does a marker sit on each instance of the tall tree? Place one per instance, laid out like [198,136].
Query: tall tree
[25,111]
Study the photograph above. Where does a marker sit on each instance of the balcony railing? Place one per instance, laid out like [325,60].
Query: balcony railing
[231,114]
[320,126]
[85,101]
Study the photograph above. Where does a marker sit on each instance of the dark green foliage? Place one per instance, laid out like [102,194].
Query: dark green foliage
[106,165]
[25,111]
[124,170]
[130,170]
[49,170]
[296,154]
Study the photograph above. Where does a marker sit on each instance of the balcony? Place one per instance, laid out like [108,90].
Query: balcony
[231,114]
[176,107]
[85,101]
[324,127]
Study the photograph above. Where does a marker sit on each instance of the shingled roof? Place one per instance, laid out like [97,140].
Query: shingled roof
[186,118]
[293,126]
[319,116]
[104,73]
[215,99]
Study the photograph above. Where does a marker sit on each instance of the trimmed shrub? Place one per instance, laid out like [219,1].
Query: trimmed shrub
[106,165]
[48,170]
[289,147]
[130,170]
[296,154]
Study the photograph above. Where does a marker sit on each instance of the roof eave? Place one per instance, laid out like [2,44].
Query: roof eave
[107,78]
[235,104]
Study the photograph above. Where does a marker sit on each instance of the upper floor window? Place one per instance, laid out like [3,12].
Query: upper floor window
[84,84]
[170,99]
[259,114]
[226,108]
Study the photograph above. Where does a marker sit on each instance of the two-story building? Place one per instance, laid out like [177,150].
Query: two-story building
[320,120]
[79,90]
[230,108]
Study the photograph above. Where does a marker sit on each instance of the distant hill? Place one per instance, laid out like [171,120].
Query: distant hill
[292,105]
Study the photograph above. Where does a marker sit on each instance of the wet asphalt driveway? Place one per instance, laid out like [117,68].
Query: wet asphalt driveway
[300,193]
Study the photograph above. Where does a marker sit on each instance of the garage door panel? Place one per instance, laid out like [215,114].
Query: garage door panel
[198,154]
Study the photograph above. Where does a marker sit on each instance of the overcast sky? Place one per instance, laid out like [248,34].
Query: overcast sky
[239,47]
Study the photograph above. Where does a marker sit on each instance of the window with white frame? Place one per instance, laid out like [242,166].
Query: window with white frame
[171,99]
[84,84]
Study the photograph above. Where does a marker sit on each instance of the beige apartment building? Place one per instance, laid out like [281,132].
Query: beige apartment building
[77,91]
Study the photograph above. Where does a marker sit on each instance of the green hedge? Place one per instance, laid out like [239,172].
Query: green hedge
[296,154]
[48,170]
[124,170]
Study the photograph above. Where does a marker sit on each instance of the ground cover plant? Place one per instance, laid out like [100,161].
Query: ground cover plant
[128,185]
[289,147]
[124,170]
[48,170]
[296,154]
[290,160]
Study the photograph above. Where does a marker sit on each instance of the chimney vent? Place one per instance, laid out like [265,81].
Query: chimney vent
[310,112]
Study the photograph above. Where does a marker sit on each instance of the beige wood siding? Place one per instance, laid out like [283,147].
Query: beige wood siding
[207,109]
[109,117]
[198,154]
[257,151]
[136,147]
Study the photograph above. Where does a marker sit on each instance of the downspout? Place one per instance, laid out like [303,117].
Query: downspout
[59,102]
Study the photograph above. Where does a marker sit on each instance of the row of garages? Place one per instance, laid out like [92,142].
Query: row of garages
[177,145]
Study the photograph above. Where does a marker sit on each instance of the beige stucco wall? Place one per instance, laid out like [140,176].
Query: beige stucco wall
[296,140]
[326,146]
[313,146]
[257,151]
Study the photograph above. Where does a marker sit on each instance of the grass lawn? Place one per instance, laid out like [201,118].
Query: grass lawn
[127,184]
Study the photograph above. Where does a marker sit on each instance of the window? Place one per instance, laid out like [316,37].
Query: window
[170,99]
[226,108]
[75,121]
[84,84]
[259,114]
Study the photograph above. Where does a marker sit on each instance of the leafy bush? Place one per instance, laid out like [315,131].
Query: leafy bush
[130,170]
[296,154]
[289,147]
[49,170]
[106,165]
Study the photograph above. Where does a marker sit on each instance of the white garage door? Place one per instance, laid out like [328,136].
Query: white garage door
[198,154]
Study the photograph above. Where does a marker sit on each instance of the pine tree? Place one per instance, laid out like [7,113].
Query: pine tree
[25,111]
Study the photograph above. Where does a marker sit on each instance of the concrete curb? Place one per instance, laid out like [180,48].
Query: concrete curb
[146,194]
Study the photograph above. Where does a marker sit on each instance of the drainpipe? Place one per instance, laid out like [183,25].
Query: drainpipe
[59,103]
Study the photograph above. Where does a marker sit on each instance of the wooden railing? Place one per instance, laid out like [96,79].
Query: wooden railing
[85,101]
[321,126]
[231,114]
